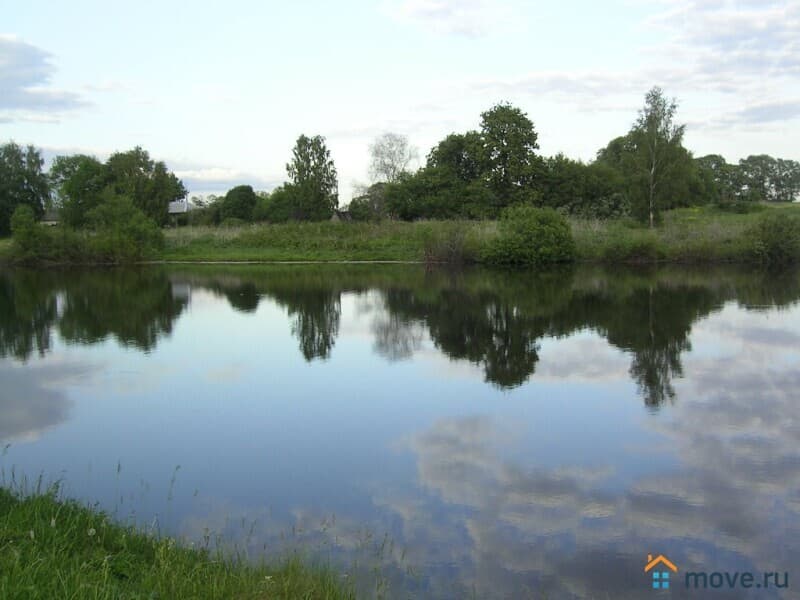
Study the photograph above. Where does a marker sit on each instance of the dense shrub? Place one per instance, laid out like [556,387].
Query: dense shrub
[26,231]
[277,207]
[238,203]
[775,239]
[531,236]
[122,232]
[118,232]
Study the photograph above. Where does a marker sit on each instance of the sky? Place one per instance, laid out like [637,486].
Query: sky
[221,91]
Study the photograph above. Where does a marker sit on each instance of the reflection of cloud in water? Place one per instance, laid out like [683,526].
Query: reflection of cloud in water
[582,359]
[731,505]
[752,330]
[30,401]
[727,497]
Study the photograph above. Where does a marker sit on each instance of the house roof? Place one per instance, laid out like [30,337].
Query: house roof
[652,562]
[179,206]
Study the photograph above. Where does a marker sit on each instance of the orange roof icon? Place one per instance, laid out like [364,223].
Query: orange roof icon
[652,562]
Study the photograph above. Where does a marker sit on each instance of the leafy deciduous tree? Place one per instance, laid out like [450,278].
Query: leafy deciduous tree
[22,181]
[239,203]
[149,184]
[78,182]
[314,187]
[510,164]
[658,141]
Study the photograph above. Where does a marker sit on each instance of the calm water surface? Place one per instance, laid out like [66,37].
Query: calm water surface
[432,434]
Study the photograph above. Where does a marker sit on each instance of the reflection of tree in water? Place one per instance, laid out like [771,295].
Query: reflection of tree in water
[137,307]
[492,319]
[316,323]
[496,320]
[478,328]
[243,297]
[316,318]
[313,305]
[26,316]
[653,322]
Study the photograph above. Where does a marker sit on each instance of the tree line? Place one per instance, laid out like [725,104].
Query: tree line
[640,174]
[471,175]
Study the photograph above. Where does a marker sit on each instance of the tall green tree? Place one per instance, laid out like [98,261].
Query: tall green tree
[511,166]
[720,178]
[461,155]
[658,141]
[787,180]
[314,186]
[22,181]
[756,177]
[78,182]
[149,184]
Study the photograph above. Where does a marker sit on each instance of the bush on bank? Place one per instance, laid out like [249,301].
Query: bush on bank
[775,239]
[117,232]
[530,236]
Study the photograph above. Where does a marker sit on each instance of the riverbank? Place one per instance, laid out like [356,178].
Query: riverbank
[53,548]
[689,235]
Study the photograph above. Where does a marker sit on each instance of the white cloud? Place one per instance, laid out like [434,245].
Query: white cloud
[25,73]
[747,53]
[469,18]
[221,179]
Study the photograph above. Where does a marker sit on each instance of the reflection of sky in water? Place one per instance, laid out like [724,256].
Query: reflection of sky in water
[562,485]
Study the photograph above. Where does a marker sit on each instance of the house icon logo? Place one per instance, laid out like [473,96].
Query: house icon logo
[660,566]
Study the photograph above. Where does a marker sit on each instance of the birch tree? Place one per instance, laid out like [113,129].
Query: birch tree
[658,141]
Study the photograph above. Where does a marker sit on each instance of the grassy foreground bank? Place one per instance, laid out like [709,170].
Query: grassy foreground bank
[694,235]
[51,548]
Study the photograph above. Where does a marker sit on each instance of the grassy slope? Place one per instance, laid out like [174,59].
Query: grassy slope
[58,549]
[689,235]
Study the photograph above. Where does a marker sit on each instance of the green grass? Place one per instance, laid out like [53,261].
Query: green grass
[5,248]
[326,241]
[687,235]
[695,235]
[54,548]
